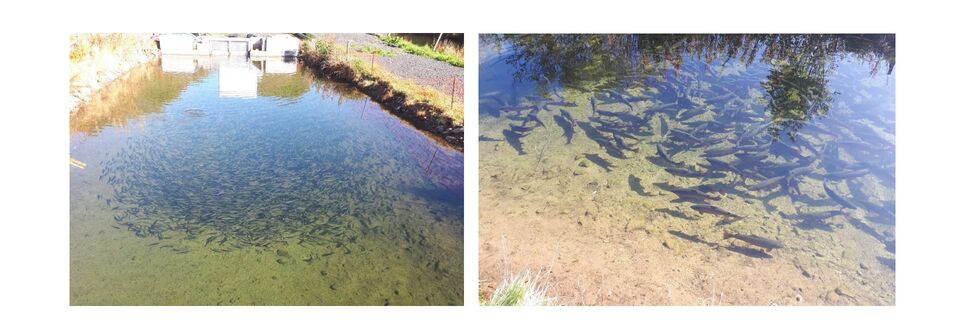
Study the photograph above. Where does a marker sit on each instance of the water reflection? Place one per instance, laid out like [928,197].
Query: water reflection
[794,69]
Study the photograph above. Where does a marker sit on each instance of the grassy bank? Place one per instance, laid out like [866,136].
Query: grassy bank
[425,50]
[425,107]
[98,59]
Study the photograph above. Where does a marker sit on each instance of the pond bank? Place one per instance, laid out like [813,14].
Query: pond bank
[424,107]
[99,59]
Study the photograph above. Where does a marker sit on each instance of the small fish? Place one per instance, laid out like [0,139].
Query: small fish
[847,174]
[718,165]
[768,184]
[694,174]
[664,128]
[210,239]
[596,159]
[719,152]
[569,117]
[838,199]
[755,240]
[693,195]
[662,153]
[613,94]
[815,216]
[714,210]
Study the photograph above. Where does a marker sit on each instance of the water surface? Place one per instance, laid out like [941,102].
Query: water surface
[227,181]
[666,168]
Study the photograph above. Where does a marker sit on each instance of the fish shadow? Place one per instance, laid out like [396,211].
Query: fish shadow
[676,213]
[691,238]
[748,252]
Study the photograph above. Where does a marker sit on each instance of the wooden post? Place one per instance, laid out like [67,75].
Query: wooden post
[454,83]
[439,40]
[348,50]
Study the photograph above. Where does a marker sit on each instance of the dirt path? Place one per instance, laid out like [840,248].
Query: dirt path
[422,70]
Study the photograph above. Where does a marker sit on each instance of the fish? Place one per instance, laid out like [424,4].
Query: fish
[622,145]
[694,174]
[569,117]
[838,199]
[520,129]
[799,171]
[210,239]
[636,186]
[714,210]
[721,166]
[814,215]
[691,113]
[719,152]
[693,195]
[889,263]
[514,140]
[755,240]
[567,128]
[846,174]
[768,184]
[685,135]
[664,128]
[596,159]
[613,94]
[662,153]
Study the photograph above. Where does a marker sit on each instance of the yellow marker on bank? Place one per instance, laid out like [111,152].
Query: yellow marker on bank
[78,164]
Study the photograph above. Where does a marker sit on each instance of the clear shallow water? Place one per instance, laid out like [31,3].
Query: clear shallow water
[236,182]
[791,139]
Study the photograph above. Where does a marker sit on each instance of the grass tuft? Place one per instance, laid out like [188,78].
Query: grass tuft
[376,51]
[521,290]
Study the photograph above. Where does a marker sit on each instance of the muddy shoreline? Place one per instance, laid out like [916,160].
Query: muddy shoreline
[422,116]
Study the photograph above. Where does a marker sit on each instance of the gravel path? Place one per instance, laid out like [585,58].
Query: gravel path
[421,70]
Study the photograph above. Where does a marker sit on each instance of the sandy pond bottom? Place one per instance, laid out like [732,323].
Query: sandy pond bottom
[596,242]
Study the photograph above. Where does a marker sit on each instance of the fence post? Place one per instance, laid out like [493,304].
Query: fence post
[454,83]
[348,50]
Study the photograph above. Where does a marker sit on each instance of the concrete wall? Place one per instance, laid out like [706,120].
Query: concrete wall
[187,44]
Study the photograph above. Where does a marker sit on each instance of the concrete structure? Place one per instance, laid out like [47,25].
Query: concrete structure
[260,46]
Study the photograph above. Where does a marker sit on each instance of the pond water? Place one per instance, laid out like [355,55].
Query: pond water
[228,181]
[690,169]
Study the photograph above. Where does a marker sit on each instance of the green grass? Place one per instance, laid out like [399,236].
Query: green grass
[414,92]
[425,50]
[376,51]
[522,290]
